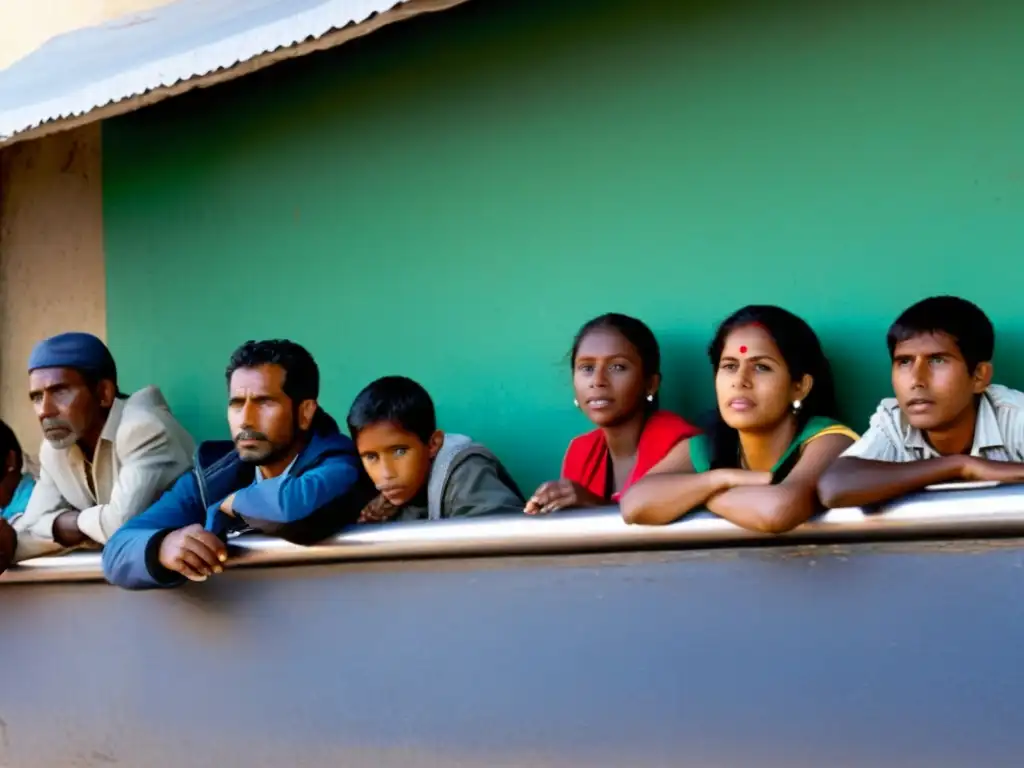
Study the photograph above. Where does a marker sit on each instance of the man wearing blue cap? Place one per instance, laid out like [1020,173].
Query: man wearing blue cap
[105,457]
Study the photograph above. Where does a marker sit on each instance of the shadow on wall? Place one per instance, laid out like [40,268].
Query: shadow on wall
[52,274]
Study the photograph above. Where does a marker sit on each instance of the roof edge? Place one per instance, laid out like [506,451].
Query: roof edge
[332,39]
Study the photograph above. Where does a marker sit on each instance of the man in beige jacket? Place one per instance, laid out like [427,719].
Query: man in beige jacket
[105,457]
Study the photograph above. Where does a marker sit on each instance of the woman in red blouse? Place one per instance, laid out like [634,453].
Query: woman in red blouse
[616,372]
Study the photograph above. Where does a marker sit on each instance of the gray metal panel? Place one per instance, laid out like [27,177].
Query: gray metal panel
[862,655]
[88,68]
[964,509]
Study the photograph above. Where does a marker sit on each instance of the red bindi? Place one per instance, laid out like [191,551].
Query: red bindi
[743,350]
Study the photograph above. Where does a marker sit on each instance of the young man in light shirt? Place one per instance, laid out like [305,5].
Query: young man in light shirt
[948,422]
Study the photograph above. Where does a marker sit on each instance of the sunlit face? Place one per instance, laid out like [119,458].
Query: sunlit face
[67,407]
[608,378]
[932,383]
[397,460]
[753,385]
[262,417]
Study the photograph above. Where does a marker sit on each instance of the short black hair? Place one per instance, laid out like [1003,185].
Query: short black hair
[301,374]
[958,318]
[396,399]
[9,442]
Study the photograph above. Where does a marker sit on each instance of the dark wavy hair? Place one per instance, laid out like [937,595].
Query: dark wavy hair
[301,374]
[801,352]
[636,333]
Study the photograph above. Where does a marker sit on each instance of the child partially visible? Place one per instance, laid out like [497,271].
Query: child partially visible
[947,422]
[16,486]
[421,472]
[15,482]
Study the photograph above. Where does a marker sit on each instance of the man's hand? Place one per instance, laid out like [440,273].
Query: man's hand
[66,531]
[226,505]
[193,552]
[8,543]
[978,469]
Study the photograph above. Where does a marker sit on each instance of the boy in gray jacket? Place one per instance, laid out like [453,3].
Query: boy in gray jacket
[420,472]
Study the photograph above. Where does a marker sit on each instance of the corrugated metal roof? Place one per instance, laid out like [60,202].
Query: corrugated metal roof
[154,51]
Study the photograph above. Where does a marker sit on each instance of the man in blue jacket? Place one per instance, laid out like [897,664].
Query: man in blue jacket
[289,472]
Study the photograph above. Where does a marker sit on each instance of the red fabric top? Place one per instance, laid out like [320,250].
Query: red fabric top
[586,462]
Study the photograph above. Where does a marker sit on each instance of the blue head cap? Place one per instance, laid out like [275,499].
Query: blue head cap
[81,351]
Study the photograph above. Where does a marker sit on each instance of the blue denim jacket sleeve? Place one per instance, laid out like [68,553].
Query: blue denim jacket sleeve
[308,507]
[129,557]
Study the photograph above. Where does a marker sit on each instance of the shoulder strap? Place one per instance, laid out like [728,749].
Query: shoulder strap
[816,427]
[453,448]
[820,426]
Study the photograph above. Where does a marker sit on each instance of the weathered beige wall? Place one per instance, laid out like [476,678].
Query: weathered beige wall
[52,273]
[27,24]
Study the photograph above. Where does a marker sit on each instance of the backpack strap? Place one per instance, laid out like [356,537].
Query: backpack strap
[454,447]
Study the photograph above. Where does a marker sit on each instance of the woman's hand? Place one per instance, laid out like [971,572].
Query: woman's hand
[561,494]
[735,478]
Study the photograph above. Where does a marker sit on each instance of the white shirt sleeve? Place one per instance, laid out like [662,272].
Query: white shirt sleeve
[878,444]
[151,460]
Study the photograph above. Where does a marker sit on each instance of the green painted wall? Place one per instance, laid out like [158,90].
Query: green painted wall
[451,198]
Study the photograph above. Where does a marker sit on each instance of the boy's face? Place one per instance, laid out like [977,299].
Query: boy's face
[397,461]
[933,386]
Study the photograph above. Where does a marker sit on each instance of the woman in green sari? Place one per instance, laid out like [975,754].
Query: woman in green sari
[774,433]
